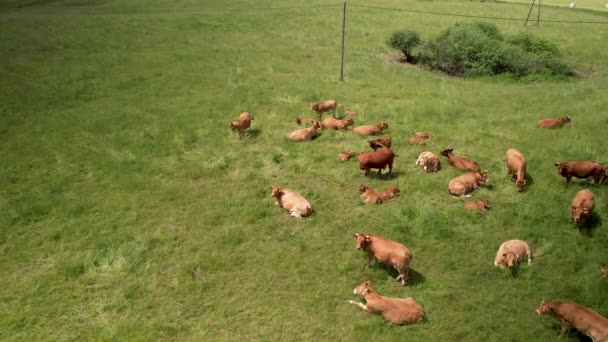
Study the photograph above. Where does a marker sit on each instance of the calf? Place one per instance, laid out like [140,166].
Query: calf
[389,194]
[511,252]
[378,159]
[460,163]
[380,142]
[463,185]
[368,195]
[478,205]
[516,166]
[553,123]
[341,125]
[305,134]
[429,160]
[581,207]
[371,129]
[346,155]
[290,200]
[396,310]
[309,121]
[571,314]
[581,169]
[416,141]
[423,135]
[386,252]
[324,106]
[242,124]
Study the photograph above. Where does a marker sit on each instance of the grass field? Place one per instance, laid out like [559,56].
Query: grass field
[129,211]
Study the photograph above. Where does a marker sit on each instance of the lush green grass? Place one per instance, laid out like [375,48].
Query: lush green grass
[128,210]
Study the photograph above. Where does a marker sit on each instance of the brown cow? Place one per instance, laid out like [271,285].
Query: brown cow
[380,142]
[553,123]
[389,194]
[464,184]
[429,160]
[371,129]
[516,166]
[378,159]
[309,121]
[423,135]
[387,252]
[346,155]
[460,163]
[396,310]
[291,201]
[416,141]
[511,252]
[583,319]
[581,169]
[581,207]
[478,205]
[368,195]
[324,106]
[334,123]
[242,124]
[305,134]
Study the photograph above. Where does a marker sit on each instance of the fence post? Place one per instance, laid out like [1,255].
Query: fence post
[538,17]
[529,12]
[343,34]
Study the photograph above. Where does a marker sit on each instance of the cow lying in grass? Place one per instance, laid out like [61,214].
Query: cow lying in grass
[337,124]
[516,166]
[371,129]
[305,134]
[511,252]
[324,106]
[387,252]
[396,310]
[416,141]
[380,142]
[553,123]
[290,200]
[368,195]
[462,185]
[429,160]
[460,163]
[583,319]
[581,207]
[241,124]
[581,169]
[423,135]
[346,155]
[389,194]
[477,205]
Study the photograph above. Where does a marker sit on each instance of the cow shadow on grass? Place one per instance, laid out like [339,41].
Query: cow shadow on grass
[385,175]
[414,278]
[572,333]
[254,133]
[593,221]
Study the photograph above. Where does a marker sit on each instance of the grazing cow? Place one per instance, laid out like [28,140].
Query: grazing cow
[371,129]
[378,159]
[571,314]
[416,141]
[380,142]
[324,106]
[581,207]
[553,123]
[478,205]
[460,163]
[581,169]
[346,155]
[386,252]
[464,184]
[368,195]
[423,135]
[290,200]
[396,310]
[429,160]
[305,134]
[309,121]
[341,125]
[242,123]
[516,166]
[389,194]
[511,252]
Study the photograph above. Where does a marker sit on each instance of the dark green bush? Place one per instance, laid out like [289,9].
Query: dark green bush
[479,49]
[404,41]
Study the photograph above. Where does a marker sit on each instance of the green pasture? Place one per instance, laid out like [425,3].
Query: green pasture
[130,211]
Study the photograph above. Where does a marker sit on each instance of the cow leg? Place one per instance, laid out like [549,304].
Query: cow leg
[369,261]
[565,326]
[390,167]
[366,172]
[568,177]
[361,305]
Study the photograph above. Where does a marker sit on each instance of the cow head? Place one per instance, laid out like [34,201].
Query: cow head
[520,184]
[316,124]
[566,119]
[276,191]
[562,168]
[431,165]
[362,188]
[511,259]
[446,152]
[483,177]
[298,120]
[544,308]
[362,241]
[395,191]
[486,204]
[383,125]
[363,289]
[579,214]
[349,122]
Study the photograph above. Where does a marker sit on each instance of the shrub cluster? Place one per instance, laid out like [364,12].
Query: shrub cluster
[479,49]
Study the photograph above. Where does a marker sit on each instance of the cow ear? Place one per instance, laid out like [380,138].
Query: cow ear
[368,238]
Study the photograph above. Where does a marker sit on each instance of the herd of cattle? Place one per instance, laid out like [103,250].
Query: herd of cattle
[509,254]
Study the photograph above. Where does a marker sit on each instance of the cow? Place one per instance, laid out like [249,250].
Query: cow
[309,121]
[478,205]
[516,166]
[378,159]
[423,135]
[290,200]
[242,124]
[396,310]
[511,252]
[389,194]
[337,124]
[324,106]
[553,123]
[346,155]
[368,195]
[380,142]
[571,314]
[386,252]
[581,207]
[305,134]
[371,129]
[581,169]
[416,141]
[460,163]
[429,161]
[462,185]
